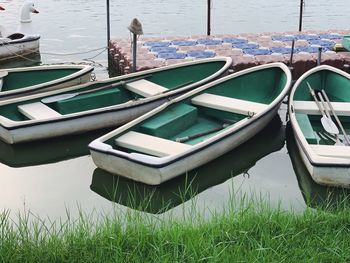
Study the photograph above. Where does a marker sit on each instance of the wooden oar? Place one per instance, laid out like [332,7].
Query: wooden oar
[347,140]
[66,96]
[327,123]
[200,134]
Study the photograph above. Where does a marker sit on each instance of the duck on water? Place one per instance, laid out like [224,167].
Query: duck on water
[22,42]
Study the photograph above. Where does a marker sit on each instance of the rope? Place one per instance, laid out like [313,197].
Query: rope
[15,54]
[75,53]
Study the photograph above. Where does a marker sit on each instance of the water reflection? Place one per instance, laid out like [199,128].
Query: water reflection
[47,151]
[33,59]
[158,199]
[315,195]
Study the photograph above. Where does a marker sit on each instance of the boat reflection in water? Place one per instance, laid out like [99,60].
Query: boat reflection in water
[315,195]
[30,60]
[160,198]
[47,151]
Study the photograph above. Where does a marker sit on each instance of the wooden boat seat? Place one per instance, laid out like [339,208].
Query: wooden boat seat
[37,111]
[310,107]
[145,88]
[148,144]
[331,150]
[228,104]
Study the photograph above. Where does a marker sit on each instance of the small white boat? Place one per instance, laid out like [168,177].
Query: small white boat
[195,128]
[161,198]
[325,153]
[23,42]
[101,104]
[19,82]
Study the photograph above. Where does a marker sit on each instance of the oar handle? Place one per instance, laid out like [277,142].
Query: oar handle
[324,106]
[312,92]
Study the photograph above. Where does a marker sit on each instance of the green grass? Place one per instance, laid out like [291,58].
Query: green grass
[250,234]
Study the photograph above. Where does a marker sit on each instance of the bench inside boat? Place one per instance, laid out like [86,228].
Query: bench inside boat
[159,135]
[103,98]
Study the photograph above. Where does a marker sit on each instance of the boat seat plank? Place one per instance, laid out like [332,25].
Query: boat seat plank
[145,88]
[37,111]
[150,144]
[310,107]
[228,104]
[331,150]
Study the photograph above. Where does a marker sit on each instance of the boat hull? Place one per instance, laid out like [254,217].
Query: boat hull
[324,170]
[157,175]
[328,175]
[78,123]
[13,49]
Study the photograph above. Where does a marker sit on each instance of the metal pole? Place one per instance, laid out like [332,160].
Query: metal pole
[108,25]
[108,39]
[208,19]
[134,45]
[301,15]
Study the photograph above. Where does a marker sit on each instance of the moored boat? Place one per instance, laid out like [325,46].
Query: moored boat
[195,128]
[319,115]
[161,198]
[16,82]
[22,42]
[102,104]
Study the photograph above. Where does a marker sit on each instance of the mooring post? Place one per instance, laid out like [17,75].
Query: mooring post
[208,19]
[319,57]
[135,28]
[134,50]
[301,15]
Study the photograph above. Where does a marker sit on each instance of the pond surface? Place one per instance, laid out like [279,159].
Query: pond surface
[50,177]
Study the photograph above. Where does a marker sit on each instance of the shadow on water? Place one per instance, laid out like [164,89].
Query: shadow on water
[23,61]
[315,195]
[47,151]
[158,199]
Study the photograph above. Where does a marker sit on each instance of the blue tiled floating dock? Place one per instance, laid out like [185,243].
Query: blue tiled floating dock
[246,50]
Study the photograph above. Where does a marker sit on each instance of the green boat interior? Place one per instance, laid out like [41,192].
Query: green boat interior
[99,95]
[307,112]
[22,79]
[203,115]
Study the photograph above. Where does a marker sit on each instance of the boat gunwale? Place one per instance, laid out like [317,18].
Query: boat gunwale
[30,38]
[165,161]
[84,70]
[313,158]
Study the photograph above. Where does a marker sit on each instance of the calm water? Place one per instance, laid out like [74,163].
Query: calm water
[49,177]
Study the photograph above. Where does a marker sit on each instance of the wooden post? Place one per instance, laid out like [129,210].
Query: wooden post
[208,18]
